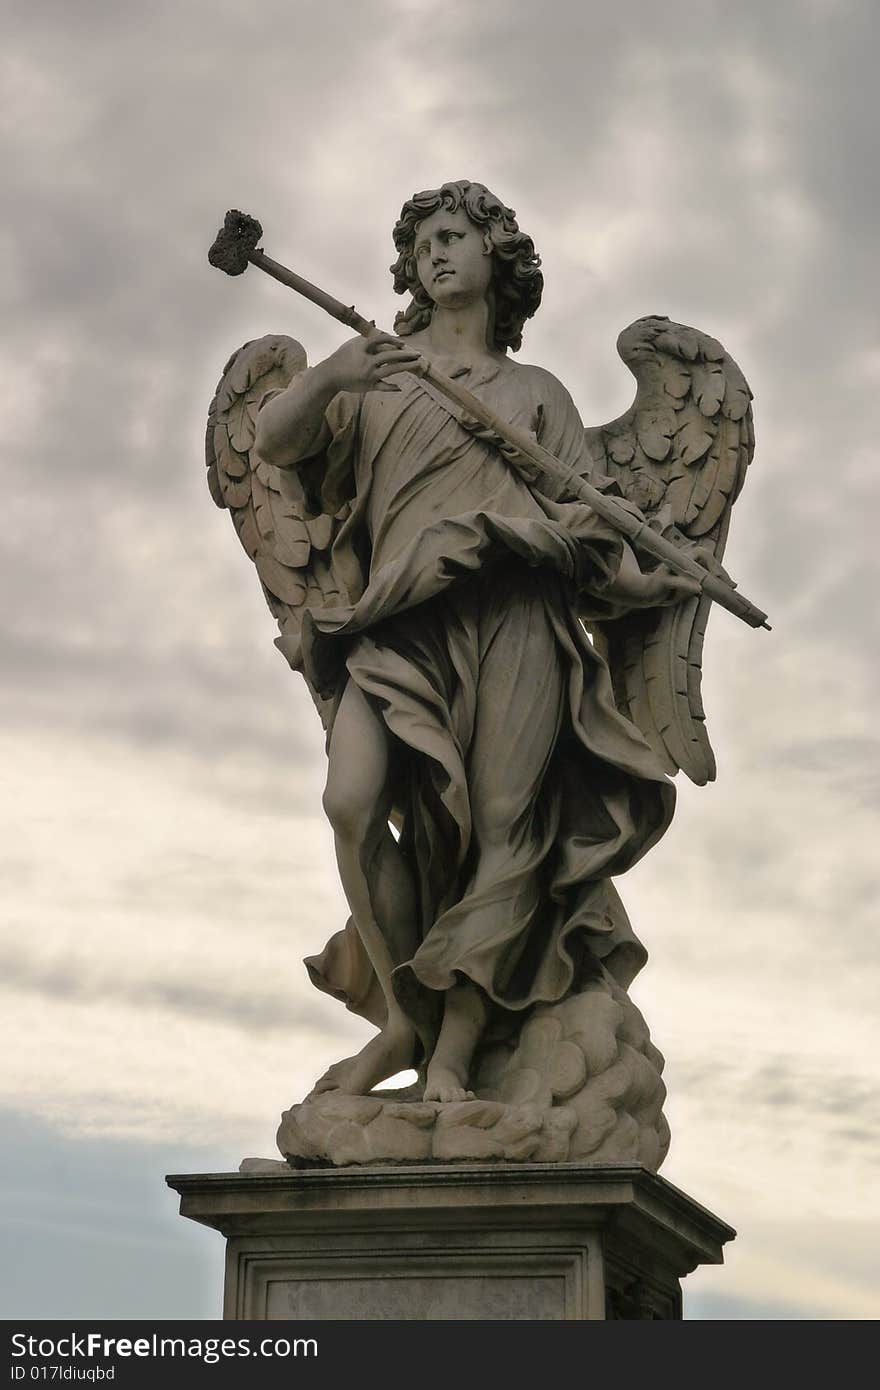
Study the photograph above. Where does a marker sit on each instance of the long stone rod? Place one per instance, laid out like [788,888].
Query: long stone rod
[639,533]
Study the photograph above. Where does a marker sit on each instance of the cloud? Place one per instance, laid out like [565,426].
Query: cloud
[167,861]
[156,917]
[791,1270]
[118,1243]
[63,979]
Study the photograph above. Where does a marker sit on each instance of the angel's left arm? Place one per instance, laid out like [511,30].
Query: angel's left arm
[631,587]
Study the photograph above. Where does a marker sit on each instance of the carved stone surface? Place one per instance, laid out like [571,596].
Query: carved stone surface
[505,682]
[475,1241]
[582,1080]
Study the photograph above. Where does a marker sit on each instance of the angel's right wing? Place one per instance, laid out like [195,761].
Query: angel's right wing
[290,548]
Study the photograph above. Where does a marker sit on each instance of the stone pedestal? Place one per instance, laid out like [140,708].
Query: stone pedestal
[479,1241]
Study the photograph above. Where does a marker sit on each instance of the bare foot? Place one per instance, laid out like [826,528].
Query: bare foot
[385,1055]
[444,1084]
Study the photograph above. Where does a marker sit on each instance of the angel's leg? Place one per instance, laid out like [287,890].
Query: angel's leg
[357,802]
[465,1010]
[520,701]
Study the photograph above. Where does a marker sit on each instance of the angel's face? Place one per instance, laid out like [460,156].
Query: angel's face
[453,258]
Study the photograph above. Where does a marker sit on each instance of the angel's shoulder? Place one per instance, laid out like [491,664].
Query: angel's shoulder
[541,382]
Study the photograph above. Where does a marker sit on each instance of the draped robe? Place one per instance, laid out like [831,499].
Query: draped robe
[465,637]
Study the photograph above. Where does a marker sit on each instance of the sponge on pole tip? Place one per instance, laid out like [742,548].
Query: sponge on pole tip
[235,241]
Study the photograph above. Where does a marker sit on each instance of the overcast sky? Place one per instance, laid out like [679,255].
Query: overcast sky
[166,862]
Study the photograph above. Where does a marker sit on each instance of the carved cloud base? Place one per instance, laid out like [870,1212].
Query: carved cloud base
[454,1241]
[581,1082]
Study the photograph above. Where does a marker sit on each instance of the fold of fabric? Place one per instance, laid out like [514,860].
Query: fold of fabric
[466,640]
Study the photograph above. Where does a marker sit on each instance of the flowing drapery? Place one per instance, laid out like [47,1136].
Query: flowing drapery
[466,639]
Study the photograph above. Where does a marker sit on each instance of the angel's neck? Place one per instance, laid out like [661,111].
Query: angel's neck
[463,332]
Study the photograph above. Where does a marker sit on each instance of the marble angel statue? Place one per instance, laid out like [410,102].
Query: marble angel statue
[505,683]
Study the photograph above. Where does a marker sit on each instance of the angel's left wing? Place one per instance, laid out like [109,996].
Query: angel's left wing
[680,453]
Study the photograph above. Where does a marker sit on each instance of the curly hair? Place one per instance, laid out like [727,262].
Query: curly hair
[517,280]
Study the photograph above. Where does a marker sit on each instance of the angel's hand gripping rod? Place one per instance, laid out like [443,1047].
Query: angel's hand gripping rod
[236,247]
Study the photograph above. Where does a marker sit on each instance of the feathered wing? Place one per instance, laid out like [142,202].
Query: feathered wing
[680,453]
[290,548]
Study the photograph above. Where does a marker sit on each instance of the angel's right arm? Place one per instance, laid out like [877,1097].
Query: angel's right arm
[292,426]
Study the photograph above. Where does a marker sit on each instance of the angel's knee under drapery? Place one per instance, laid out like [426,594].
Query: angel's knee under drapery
[520,795]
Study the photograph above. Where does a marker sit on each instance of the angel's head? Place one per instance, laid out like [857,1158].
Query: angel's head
[513,272]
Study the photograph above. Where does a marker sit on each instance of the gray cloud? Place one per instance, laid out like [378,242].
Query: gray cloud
[800,1099]
[711,162]
[118,1242]
[71,979]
